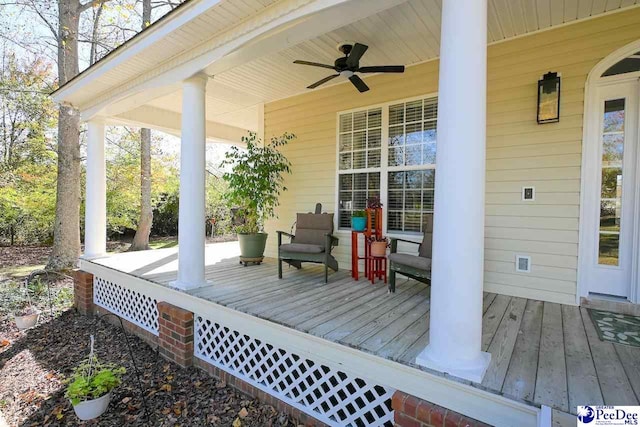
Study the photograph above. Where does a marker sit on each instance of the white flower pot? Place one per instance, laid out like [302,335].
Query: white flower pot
[26,322]
[90,409]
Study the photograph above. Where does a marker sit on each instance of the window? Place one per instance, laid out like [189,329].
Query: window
[359,149]
[611,182]
[390,152]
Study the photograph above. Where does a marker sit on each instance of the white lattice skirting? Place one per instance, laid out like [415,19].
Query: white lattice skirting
[136,307]
[329,395]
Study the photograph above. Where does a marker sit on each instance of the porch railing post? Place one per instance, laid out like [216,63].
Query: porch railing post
[191,220]
[95,224]
[458,236]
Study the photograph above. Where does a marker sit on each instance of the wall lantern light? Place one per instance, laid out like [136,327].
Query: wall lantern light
[549,98]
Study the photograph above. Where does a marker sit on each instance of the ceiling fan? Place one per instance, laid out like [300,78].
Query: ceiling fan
[349,64]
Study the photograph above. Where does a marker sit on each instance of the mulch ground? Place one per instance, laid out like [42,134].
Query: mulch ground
[34,365]
[18,256]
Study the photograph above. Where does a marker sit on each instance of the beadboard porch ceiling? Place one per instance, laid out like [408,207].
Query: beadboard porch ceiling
[542,353]
[397,32]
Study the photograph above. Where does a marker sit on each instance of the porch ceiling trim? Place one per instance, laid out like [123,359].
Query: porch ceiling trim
[170,122]
[451,393]
[281,25]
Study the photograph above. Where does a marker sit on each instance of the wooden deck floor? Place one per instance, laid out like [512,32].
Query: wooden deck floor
[542,352]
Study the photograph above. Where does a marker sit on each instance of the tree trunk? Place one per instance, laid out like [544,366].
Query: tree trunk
[66,233]
[141,239]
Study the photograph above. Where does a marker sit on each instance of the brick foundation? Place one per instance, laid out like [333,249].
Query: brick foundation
[413,412]
[175,334]
[83,291]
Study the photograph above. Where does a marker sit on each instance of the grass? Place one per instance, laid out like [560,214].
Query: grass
[163,242]
[20,271]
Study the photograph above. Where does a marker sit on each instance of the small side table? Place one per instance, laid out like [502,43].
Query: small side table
[355,258]
[377,268]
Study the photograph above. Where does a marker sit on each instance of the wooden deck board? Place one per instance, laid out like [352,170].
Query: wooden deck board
[551,381]
[582,380]
[520,381]
[492,318]
[501,347]
[630,359]
[541,352]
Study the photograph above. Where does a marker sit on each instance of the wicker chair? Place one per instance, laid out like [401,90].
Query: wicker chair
[417,267]
[312,242]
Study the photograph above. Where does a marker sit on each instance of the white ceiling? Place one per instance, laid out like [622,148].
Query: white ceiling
[406,34]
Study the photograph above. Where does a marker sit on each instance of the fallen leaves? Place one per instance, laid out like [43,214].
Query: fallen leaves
[190,397]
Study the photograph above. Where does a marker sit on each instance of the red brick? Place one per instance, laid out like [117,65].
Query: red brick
[404,420]
[411,406]
[422,414]
[397,400]
[436,416]
[452,419]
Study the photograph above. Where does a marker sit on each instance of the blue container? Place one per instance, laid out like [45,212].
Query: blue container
[358,223]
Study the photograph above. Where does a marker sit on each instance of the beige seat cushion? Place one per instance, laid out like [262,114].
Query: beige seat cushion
[302,248]
[411,261]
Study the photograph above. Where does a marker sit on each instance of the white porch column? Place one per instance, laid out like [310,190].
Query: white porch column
[458,238]
[95,223]
[191,220]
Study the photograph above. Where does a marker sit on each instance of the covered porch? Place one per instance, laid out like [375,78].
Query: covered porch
[543,354]
[491,339]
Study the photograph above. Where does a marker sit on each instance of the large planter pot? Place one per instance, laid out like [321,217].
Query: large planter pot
[27,321]
[358,223]
[90,409]
[378,249]
[252,246]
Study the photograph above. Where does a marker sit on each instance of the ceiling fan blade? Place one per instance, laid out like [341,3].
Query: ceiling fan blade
[358,83]
[323,81]
[314,64]
[356,53]
[382,69]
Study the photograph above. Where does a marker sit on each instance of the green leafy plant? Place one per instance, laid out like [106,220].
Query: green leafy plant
[93,379]
[359,214]
[256,179]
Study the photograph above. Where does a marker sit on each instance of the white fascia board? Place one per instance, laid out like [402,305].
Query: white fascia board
[280,26]
[170,122]
[187,12]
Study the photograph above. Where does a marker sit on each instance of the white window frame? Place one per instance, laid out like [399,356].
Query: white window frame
[384,169]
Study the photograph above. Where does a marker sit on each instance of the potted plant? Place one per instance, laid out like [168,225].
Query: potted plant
[21,304]
[255,183]
[89,388]
[379,246]
[359,220]
[25,315]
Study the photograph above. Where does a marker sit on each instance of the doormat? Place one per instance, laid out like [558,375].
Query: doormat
[616,328]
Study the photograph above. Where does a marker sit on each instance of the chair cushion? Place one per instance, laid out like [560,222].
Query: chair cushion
[411,261]
[312,228]
[302,248]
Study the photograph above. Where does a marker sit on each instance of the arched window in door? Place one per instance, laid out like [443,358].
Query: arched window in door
[629,64]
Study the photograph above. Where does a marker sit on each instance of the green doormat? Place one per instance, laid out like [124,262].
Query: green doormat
[616,328]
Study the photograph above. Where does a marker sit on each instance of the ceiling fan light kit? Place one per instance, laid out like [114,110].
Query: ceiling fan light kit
[348,65]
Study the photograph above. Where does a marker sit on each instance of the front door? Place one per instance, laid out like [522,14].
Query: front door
[613,242]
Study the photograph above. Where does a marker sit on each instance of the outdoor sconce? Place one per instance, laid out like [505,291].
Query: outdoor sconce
[549,98]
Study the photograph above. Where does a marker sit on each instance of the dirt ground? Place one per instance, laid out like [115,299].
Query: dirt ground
[34,365]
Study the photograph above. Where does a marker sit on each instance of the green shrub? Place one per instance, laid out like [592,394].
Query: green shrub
[93,379]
